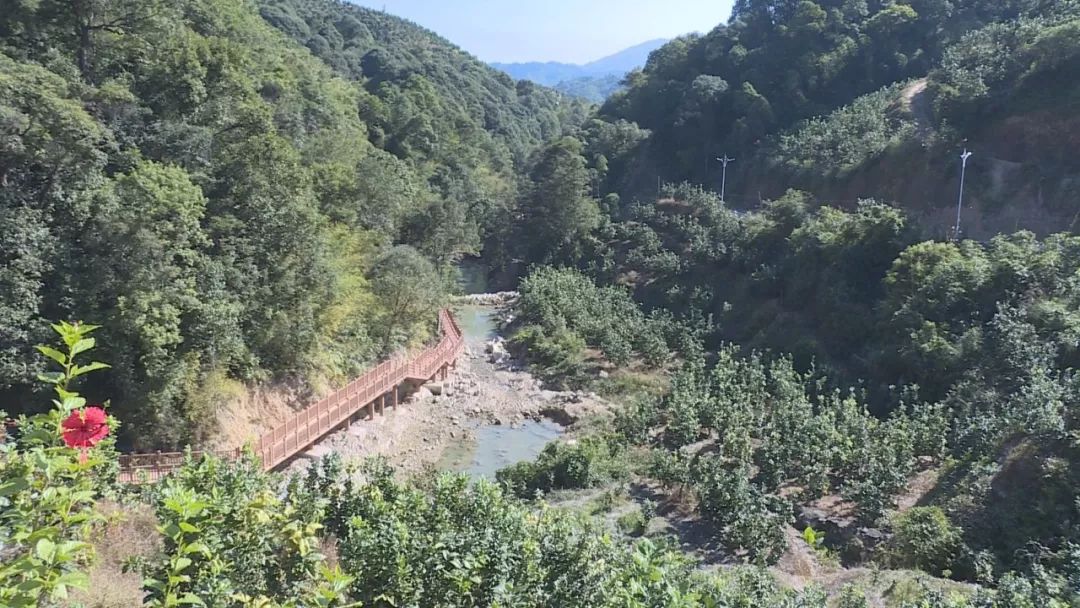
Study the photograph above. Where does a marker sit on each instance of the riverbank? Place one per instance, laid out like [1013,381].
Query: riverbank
[439,424]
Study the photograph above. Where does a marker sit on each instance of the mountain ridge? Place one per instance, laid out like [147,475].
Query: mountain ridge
[557,74]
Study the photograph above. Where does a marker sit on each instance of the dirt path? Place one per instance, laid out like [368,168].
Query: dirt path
[443,414]
[918,104]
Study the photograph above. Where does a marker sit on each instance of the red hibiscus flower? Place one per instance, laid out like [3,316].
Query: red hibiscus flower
[84,428]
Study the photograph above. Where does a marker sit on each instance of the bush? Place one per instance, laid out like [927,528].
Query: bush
[559,357]
[633,523]
[924,538]
[747,518]
[670,468]
[51,472]
[635,422]
[564,466]
[605,317]
[849,137]
[458,543]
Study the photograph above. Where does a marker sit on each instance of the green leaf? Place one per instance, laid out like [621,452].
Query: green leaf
[45,549]
[51,377]
[29,586]
[77,579]
[82,346]
[181,563]
[53,354]
[196,548]
[14,486]
[79,370]
[72,403]
[191,599]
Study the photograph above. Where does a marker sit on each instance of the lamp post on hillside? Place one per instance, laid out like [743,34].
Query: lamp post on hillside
[723,182]
[960,203]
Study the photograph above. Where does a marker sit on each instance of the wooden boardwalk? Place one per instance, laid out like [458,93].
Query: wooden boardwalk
[370,392]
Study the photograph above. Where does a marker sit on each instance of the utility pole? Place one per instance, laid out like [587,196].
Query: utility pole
[723,183]
[960,203]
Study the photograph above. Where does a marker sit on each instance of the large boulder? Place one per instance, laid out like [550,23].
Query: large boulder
[422,394]
[497,352]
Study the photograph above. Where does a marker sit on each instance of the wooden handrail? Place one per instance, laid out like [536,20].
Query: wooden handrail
[307,426]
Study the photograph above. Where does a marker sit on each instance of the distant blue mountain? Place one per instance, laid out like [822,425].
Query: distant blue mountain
[595,80]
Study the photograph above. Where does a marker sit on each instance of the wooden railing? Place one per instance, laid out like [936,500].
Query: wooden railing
[306,427]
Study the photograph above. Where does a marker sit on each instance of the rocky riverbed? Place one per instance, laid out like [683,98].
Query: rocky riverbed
[488,388]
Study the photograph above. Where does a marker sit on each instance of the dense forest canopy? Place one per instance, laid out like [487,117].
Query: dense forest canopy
[779,62]
[217,196]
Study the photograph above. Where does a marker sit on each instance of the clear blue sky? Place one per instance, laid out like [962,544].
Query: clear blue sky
[573,31]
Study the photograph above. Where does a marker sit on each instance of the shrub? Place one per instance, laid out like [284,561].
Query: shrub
[670,468]
[850,136]
[559,356]
[226,531]
[605,317]
[51,472]
[635,422]
[586,464]
[747,518]
[632,523]
[924,538]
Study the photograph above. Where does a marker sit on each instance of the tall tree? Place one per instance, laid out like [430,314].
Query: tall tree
[557,211]
[409,289]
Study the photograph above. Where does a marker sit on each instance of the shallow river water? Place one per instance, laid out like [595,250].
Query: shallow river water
[491,447]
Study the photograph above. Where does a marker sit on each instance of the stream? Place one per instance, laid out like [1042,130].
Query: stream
[490,447]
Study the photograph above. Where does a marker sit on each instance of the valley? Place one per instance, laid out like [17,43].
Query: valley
[781,314]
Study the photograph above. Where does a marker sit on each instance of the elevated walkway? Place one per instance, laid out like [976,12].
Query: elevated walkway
[371,391]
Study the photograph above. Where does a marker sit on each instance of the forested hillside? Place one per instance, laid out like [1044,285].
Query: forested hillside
[224,203]
[747,89]
[805,392]
[463,126]
[837,342]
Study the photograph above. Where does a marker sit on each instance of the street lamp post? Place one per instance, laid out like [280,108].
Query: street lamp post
[723,183]
[960,203]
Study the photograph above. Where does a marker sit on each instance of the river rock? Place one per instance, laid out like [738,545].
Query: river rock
[316,452]
[497,352]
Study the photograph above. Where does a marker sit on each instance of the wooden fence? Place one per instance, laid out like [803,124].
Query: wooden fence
[370,391]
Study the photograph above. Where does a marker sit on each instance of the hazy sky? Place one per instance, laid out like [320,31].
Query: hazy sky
[574,31]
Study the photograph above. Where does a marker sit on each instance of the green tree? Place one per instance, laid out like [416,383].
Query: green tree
[556,213]
[409,291]
[153,252]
